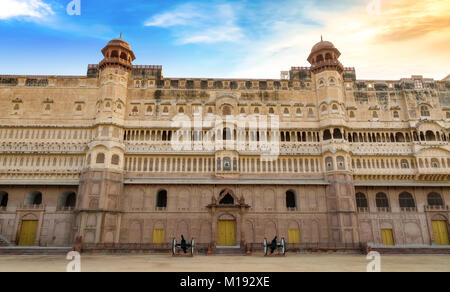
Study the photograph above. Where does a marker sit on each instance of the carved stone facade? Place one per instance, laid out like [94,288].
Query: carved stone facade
[94,156]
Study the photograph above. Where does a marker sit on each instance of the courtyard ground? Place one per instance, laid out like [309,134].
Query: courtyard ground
[165,263]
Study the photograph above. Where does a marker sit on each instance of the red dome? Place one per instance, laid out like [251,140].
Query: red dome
[322,45]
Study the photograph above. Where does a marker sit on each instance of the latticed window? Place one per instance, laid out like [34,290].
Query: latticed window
[425,111]
[435,199]
[382,201]
[100,158]
[361,200]
[406,200]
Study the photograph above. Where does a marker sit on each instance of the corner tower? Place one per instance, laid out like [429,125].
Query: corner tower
[101,182]
[340,194]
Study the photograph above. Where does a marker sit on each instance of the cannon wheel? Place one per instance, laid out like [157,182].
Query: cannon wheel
[266,247]
[174,246]
[192,246]
[283,246]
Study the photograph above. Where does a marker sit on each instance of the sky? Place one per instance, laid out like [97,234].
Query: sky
[382,39]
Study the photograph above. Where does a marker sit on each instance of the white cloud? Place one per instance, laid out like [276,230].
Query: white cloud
[200,23]
[24,8]
[408,37]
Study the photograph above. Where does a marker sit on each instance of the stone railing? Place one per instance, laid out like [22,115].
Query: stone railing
[437,208]
[381,148]
[285,148]
[384,209]
[24,147]
[363,210]
[31,207]
[65,209]
[408,209]
[384,171]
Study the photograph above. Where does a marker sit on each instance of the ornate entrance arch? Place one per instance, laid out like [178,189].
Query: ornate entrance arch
[228,213]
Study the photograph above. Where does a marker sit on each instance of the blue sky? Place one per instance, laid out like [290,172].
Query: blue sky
[240,39]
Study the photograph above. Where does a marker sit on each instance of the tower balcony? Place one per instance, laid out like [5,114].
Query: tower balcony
[327,65]
[108,61]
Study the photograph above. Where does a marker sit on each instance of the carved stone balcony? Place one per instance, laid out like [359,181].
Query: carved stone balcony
[408,209]
[363,210]
[381,148]
[23,207]
[437,208]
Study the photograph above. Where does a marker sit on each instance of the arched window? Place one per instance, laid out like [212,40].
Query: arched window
[3,199]
[319,58]
[181,110]
[396,115]
[123,56]
[115,159]
[291,201]
[327,135]
[335,108]
[430,136]
[271,111]
[33,198]
[286,112]
[406,200]
[337,134]
[100,158]
[328,56]
[399,137]
[375,115]
[382,200]
[324,108]
[329,163]
[425,111]
[361,200]
[340,162]
[435,199]
[352,114]
[226,135]
[115,54]
[67,200]
[161,199]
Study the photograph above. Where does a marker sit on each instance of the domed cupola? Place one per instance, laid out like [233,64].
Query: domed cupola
[324,56]
[117,53]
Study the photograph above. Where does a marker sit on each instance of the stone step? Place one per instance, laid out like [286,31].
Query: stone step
[229,251]
[22,250]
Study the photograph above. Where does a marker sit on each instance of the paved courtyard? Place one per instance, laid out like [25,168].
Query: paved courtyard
[162,263]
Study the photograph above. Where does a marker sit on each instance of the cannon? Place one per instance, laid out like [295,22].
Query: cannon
[269,249]
[183,248]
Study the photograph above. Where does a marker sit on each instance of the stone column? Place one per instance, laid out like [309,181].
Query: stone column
[341,205]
